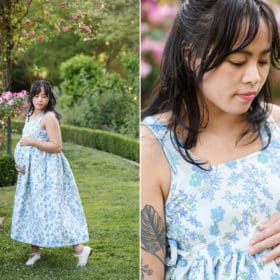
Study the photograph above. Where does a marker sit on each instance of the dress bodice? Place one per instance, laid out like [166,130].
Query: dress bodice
[211,215]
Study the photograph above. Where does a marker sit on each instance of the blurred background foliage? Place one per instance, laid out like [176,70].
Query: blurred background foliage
[88,50]
[157,17]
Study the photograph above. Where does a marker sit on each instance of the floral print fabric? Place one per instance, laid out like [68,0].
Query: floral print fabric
[211,215]
[47,207]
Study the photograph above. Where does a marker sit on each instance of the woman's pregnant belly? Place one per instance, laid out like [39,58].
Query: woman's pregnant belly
[21,156]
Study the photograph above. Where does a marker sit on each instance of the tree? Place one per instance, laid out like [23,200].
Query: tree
[114,35]
[15,38]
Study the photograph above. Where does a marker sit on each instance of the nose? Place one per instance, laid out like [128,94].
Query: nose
[252,74]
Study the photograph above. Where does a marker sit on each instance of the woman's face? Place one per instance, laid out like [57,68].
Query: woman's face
[232,86]
[40,101]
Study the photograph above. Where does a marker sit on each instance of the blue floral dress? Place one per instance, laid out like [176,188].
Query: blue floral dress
[47,206]
[211,215]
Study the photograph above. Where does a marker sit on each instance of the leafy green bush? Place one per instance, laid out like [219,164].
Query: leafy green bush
[102,140]
[79,74]
[8,174]
[97,99]
[98,139]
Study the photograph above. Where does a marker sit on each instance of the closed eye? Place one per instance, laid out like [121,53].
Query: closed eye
[237,63]
[264,62]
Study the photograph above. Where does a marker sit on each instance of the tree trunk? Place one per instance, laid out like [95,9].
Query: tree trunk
[9,40]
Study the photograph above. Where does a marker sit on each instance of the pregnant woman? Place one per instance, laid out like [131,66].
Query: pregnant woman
[47,207]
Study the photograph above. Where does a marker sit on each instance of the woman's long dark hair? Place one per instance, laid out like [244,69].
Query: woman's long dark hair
[36,88]
[207,31]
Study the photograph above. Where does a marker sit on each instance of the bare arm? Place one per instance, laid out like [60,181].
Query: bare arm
[54,143]
[269,236]
[153,232]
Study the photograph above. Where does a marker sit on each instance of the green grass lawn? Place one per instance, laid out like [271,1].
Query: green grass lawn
[108,187]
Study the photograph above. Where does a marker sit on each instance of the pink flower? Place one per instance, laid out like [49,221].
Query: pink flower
[24,105]
[24,115]
[10,102]
[66,28]
[86,28]
[31,33]
[41,37]
[144,27]
[154,47]
[85,39]
[22,94]
[147,44]
[157,51]
[7,95]
[158,14]
[75,17]
[146,68]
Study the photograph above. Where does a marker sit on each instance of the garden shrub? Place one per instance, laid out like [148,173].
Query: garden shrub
[8,174]
[79,74]
[106,141]
[92,98]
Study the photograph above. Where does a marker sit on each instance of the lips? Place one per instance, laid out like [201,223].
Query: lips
[248,96]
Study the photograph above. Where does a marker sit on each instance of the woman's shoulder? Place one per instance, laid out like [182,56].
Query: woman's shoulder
[161,118]
[50,119]
[275,113]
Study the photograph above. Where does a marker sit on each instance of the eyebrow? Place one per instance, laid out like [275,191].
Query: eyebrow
[249,53]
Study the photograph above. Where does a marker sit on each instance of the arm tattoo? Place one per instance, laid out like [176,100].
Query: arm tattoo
[152,232]
[145,269]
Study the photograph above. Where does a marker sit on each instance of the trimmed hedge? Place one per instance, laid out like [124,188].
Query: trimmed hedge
[98,139]
[8,174]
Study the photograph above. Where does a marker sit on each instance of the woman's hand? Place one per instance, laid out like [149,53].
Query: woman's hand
[268,237]
[20,170]
[26,141]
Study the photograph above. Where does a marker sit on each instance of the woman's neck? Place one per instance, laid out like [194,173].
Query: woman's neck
[37,112]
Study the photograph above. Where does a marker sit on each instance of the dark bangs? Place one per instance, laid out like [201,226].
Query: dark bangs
[233,31]
[36,88]
[204,33]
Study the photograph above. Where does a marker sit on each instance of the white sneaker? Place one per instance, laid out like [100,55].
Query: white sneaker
[34,257]
[83,257]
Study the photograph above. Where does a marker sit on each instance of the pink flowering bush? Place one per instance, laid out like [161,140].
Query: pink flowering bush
[157,19]
[12,104]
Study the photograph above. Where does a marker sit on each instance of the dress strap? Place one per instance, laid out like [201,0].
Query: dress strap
[158,127]
[165,138]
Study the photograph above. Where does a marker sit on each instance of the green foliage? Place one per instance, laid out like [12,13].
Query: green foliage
[8,174]
[79,74]
[43,59]
[114,29]
[100,100]
[102,140]
[107,141]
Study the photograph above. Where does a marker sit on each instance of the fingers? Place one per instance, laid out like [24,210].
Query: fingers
[271,227]
[274,218]
[264,234]
[20,170]
[266,244]
[272,255]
